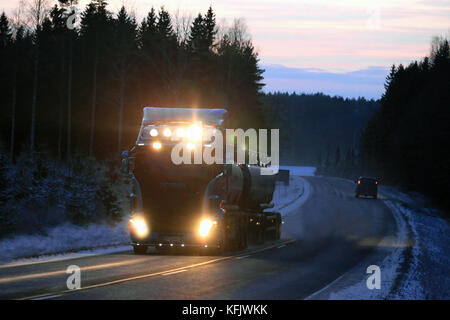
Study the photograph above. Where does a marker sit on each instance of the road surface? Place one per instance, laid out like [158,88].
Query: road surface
[328,235]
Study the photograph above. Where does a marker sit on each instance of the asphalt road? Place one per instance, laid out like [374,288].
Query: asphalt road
[332,232]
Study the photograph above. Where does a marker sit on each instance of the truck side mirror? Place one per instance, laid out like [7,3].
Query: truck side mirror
[214,202]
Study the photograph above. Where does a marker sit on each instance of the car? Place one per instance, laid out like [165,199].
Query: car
[366,186]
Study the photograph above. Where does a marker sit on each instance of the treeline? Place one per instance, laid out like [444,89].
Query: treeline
[81,90]
[407,142]
[318,129]
[72,98]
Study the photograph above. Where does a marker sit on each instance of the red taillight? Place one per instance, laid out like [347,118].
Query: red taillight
[359,181]
[376,182]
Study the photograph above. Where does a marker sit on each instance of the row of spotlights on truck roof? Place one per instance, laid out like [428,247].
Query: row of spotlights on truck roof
[193,132]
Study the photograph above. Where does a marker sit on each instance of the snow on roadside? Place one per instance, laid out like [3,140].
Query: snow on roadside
[64,238]
[287,198]
[300,171]
[389,266]
[418,265]
[428,275]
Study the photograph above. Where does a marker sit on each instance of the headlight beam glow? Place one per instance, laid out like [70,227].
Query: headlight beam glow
[205,227]
[139,226]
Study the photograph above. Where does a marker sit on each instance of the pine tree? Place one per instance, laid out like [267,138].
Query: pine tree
[123,65]
[210,30]
[95,31]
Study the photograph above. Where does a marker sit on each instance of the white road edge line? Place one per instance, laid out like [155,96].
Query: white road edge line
[242,257]
[282,246]
[311,297]
[48,297]
[175,272]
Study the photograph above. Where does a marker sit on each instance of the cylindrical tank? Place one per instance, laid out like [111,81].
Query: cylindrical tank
[235,183]
[247,187]
[260,187]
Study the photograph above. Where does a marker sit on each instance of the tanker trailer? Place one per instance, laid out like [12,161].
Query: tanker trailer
[209,206]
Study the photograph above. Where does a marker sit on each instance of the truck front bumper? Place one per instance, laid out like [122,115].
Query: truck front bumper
[188,239]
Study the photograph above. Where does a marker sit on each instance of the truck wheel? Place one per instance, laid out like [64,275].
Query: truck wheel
[140,249]
[260,235]
[243,239]
[278,232]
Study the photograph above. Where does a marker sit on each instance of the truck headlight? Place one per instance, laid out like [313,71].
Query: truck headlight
[205,227]
[139,226]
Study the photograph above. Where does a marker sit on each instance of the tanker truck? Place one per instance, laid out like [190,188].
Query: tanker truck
[218,207]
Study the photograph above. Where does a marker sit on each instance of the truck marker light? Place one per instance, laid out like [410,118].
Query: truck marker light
[154,133]
[167,132]
[157,145]
[181,133]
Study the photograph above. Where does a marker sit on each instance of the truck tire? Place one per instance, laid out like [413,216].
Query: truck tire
[278,232]
[260,235]
[243,239]
[140,249]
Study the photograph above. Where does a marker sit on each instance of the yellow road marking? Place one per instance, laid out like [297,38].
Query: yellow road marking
[157,273]
[54,273]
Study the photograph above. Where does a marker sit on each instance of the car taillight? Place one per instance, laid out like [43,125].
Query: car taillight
[359,181]
[376,182]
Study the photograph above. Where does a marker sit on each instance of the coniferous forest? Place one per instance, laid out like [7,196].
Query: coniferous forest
[73,92]
[82,90]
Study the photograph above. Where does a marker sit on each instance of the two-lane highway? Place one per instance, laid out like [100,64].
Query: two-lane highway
[328,235]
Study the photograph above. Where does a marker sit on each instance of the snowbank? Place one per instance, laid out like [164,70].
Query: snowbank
[417,267]
[64,238]
[300,171]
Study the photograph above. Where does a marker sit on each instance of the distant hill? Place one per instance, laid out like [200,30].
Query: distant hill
[367,83]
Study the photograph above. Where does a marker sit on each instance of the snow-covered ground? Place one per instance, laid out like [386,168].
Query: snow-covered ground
[300,171]
[64,239]
[417,267]
[69,241]
[427,260]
